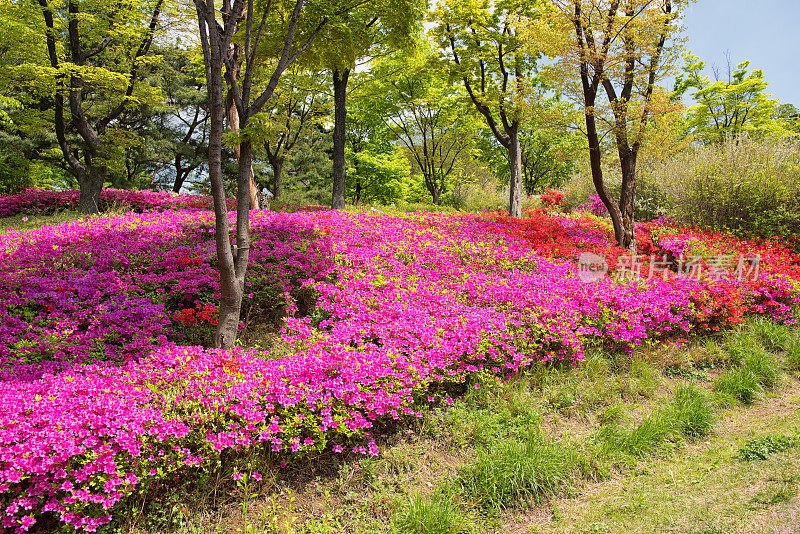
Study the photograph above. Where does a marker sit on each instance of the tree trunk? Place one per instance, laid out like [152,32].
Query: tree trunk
[233,125]
[339,136]
[627,195]
[232,283]
[595,164]
[515,163]
[230,299]
[437,196]
[91,184]
[277,170]
[276,162]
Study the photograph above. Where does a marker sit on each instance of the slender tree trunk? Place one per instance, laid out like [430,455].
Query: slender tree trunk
[515,163]
[627,195]
[277,171]
[595,163]
[230,299]
[437,196]
[276,162]
[339,136]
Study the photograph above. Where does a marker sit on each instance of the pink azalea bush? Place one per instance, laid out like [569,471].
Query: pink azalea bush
[98,399]
[594,206]
[38,202]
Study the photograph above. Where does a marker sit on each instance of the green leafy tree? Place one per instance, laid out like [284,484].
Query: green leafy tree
[738,104]
[97,56]
[549,145]
[381,177]
[620,48]
[299,108]
[486,44]
[424,113]
[370,29]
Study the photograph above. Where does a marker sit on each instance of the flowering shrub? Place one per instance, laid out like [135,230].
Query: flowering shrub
[551,197]
[112,289]
[97,401]
[37,201]
[594,206]
[201,313]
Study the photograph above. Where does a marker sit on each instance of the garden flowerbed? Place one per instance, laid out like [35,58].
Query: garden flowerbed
[103,391]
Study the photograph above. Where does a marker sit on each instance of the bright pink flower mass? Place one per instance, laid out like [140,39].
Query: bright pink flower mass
[98,398]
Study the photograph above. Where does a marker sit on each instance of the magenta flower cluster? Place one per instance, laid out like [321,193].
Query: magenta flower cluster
[96,403]
[37,201]
[594,206]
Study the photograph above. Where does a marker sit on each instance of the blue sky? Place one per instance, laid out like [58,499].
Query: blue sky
[767,32]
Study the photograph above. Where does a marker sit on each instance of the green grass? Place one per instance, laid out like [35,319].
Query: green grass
[646,437]
[429,514]
[513,470]
[771,335]
[739,384]
[793,354]
[692,412]
[26,223]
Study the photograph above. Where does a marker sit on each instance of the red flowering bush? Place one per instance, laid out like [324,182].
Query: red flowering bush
[551,198]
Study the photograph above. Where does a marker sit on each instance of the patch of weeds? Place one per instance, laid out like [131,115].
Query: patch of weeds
[710,354]
[765,366]
[280,517]
[773,336]
[793,354]
[611,415]
[597,384]
[564,398]
[503,409]
[692,412]
[647,376]
[177,508]
[687,373]
[646,437]
[399,459]
[512,470]
[760,448]
[642,379]
[429,514]
[773,494]
[739,384]
[710,529]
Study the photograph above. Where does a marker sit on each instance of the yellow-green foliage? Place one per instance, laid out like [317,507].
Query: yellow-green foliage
[742,184]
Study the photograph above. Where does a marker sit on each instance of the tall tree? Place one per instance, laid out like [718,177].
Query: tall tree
[424,113]
[298,108]
[485,41]
[619,47]
[97,53]
[548,142]
[280,29]
[368,30]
